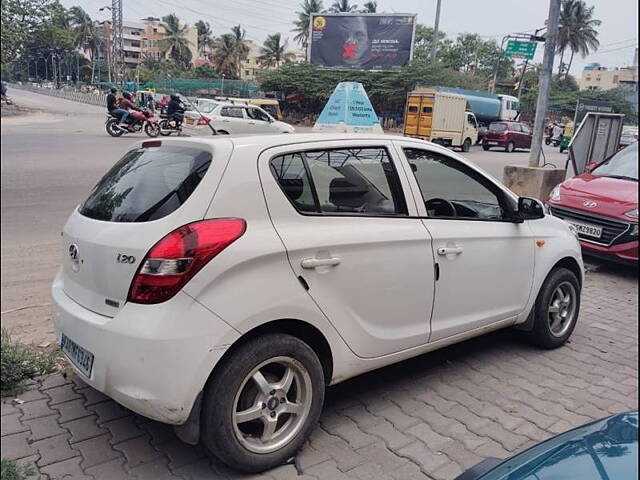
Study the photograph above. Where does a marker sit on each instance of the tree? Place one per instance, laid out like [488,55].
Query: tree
[578,31]
[370,7]
[343,6]
[302,24]
[175,44]
[205,38]
[224,55]
[240,47]
[423,41]
[272,51]
[85,36]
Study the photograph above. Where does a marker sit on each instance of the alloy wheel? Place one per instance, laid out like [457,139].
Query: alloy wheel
[562,309]
[272,404]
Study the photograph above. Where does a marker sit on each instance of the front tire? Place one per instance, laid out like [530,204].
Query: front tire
[556,309]
[165,128]
[260,406]
[466,145]
[486,147]
[152,129]
[510,147]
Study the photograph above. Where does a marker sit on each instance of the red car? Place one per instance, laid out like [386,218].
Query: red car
[507,135]
[602,205]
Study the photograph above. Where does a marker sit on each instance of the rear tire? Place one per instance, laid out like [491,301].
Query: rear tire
[510,147]
[485,147]
[112,128]
[466,145]
[556,309]
[252,381]
[165,128]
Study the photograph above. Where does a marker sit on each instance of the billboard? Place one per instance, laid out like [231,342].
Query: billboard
[359,41]
[583,106]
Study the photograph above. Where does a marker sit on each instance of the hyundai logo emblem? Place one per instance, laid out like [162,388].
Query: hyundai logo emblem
[590,204]
[73,255]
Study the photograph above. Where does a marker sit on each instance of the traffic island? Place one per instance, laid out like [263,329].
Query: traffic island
[536,182]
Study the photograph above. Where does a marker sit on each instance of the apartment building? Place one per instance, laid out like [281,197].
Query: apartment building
[251,68]
[598,77]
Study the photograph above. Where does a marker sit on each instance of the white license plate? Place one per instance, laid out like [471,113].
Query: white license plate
[492,143]
[587,230]
[80,357]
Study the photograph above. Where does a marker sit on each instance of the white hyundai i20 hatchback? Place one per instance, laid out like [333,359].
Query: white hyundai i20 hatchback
[220,284]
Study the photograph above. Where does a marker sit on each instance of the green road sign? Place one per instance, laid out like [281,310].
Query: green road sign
[518,49]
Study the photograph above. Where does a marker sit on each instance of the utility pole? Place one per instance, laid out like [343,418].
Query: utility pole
[545,81]
[117,51]
[434,43]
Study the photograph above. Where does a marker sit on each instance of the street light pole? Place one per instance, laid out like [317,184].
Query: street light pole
[434,42]
[545,81]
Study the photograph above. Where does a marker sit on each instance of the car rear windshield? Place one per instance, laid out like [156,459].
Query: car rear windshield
[147,184]
[498,127]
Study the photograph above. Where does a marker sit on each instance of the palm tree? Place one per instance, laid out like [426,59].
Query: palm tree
[175,44]
[577,31]
[240,47]
[370,7]
[205,39]
[343,6]
[85,34]
[302,25]
[224,55]
[272,51]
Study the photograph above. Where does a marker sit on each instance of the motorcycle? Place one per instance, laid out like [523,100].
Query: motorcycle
[169,126]
[551,140]
[136,121]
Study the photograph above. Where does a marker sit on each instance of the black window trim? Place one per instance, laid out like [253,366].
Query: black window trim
[319,212]
[503,199]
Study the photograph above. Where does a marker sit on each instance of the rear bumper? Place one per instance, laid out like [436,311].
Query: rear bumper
[494,142]
[624,252]
[152,359]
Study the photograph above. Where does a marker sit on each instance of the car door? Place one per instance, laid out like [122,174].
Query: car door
[485,261]
[343,217]
[258,120]
[526,136]
[232,120]
[516,135]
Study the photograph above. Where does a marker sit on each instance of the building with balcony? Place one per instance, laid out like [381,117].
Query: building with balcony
[598,77]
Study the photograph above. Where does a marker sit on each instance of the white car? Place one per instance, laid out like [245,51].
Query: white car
[220,284]
[232,118]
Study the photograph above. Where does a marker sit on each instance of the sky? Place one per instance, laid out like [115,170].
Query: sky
[618,33]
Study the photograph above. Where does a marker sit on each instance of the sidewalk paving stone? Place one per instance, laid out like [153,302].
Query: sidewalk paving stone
[17,446]
[66,469]
[54,449]
[12,424]
[84,429]
[61,394]
[137,451]
[96,450]
[44,427]
[113,470]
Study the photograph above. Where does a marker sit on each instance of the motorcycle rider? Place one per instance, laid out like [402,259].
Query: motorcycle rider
[175,110]
[114,109]
[126,102]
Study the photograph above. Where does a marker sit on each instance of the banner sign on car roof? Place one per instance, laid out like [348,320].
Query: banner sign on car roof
[348,110]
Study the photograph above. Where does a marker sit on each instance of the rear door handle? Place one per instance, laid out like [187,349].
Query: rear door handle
[450,250]
[319,262]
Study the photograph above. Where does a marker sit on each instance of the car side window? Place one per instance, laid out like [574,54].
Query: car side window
[291,173]
[235,112]
[257,114]
[452,190]
[360,181]
[525,129]
[516,128]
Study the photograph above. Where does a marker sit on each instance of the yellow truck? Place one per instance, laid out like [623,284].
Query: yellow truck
[441,117]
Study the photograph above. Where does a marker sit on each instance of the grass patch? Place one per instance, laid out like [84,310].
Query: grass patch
[19,363]
[10,470]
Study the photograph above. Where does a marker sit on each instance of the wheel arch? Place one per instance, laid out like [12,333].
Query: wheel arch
[300,329]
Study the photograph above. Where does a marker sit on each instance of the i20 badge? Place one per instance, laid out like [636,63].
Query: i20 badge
[75,257]
[590,204]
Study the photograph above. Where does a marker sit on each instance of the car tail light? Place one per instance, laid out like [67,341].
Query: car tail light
[203,120]
[175,259]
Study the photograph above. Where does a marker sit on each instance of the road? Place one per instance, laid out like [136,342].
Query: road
[50,161]
[428,418]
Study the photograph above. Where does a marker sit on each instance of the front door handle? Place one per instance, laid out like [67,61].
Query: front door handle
[449,250]
[319,262]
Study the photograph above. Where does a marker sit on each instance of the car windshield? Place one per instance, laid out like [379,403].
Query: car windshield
[207,107]
[623,164]
[498,127]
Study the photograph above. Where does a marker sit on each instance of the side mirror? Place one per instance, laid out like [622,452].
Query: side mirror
[529,209]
